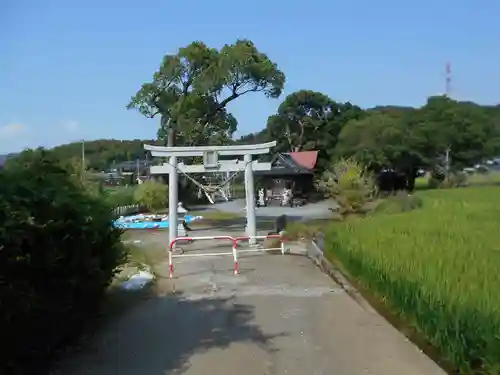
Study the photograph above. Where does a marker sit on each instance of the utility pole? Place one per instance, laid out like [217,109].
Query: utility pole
[137,170]
[83,159]
[447,161]
[447,94]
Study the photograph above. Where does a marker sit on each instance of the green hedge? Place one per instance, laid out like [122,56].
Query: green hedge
[121,196]
[58,254]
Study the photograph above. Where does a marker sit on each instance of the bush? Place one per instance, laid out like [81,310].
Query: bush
[350,184]
[437,268]
[401,202]
[152,195]
[59,252]
[454,180]
[122,196]
[437,177]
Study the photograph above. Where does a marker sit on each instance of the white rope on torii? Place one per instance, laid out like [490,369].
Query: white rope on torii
[210,191]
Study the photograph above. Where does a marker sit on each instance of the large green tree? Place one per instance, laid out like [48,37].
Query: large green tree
[381,140]
[192,89]
[464,130]
[308,120]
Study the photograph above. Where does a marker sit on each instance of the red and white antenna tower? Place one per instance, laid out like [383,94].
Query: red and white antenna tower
[447,88]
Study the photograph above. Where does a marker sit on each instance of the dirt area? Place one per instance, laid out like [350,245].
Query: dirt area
[279,316]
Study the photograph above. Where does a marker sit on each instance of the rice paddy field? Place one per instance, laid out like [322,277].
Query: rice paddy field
[437,268]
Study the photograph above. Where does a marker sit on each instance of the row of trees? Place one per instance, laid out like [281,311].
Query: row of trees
[103,153]
[391,136]
[191,91]
[100,154]
[441,133]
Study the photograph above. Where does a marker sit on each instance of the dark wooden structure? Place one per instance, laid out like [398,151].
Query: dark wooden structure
[293,171]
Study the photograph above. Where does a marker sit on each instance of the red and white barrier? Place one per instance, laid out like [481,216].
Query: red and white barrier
[178,239]
[248,238]
[234,252]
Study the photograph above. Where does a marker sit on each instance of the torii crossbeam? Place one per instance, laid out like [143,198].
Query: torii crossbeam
[211,163]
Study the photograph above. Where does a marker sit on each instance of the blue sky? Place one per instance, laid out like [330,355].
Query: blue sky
[68,68]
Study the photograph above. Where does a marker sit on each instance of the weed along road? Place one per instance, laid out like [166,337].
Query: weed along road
[279,316]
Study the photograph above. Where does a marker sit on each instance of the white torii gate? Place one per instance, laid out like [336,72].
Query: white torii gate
[211,163]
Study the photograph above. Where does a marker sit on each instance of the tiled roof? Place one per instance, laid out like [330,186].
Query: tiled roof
[306,159]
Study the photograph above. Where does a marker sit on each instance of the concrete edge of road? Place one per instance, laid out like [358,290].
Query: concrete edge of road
[315,253]
[313,250]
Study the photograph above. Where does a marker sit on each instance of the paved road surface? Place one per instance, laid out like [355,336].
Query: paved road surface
[318,210]
[280,316]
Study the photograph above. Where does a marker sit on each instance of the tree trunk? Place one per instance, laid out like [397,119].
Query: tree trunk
[169,130]
[411,176]
[170,137]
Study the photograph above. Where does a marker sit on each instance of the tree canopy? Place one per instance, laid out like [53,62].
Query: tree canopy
[192,89]
[307,120]
[409,139]
[382,137]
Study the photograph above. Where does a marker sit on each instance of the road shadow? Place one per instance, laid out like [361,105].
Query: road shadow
[232,225]
[162,335]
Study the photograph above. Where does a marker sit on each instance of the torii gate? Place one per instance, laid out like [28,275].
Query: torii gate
[211,163]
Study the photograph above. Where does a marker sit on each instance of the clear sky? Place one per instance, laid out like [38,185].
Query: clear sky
[69,67]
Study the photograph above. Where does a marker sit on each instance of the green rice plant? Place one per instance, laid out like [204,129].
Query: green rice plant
[438,268]
[297,230]
[395,204]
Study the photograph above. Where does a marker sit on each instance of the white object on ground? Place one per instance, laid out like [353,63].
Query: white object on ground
[181,209]
[137,281]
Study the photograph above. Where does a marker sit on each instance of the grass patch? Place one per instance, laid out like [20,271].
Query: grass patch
[145,247]
[297,230]
[476,179]
[492,178]
[436,268]
[421,183]
[395,204]
[215,215]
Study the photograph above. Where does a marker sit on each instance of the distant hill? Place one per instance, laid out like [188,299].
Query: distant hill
[102,154]
[99,154]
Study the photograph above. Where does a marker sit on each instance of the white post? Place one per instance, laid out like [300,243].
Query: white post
[172,199]
[250,199]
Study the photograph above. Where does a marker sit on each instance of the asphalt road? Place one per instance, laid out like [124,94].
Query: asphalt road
[317,210]
[280,316]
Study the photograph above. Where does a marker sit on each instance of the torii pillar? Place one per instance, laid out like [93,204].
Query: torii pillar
[211,164]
